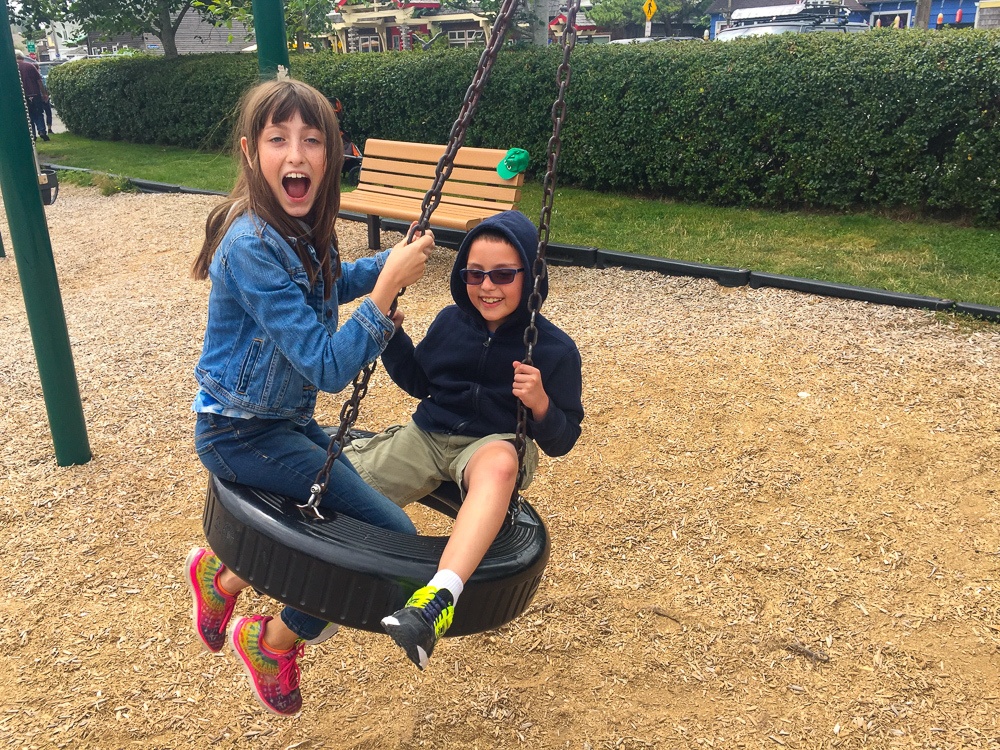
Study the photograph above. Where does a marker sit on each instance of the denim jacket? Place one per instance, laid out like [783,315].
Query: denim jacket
[272,341]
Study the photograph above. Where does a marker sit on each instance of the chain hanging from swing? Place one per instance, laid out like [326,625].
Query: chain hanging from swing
[349,412]
[539,269]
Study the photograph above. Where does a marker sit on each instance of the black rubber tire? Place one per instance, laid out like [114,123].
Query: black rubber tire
[352,176]
[354,574]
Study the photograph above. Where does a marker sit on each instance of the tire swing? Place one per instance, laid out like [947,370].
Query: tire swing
[352,573]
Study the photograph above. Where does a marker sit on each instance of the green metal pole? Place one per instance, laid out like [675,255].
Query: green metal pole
[29,235]
[272,44]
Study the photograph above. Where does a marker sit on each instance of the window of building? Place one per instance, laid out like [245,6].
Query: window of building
[397,41]
[888,18]
[369,43]
[466,37]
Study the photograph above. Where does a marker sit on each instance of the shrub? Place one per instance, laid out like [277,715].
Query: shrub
[882,119]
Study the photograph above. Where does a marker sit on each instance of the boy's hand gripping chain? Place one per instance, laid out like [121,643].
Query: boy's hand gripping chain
[349,412]
[538,269]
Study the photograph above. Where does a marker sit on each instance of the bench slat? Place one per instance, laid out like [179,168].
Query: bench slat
[467,156]
[381,194]
[418,169]
[411,209]
[449,215]
[422,184]
[440,218]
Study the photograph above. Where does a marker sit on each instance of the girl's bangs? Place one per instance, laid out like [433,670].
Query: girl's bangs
[291,101]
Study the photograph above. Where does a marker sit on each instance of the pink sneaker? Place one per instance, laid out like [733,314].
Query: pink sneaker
[273,676]
[212,608]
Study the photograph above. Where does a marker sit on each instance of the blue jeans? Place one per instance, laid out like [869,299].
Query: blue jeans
[280,456]
[36,115]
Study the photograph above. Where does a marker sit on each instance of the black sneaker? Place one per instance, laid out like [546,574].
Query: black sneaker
[417,627]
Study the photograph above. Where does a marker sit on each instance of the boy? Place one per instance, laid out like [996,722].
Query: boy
[468,374]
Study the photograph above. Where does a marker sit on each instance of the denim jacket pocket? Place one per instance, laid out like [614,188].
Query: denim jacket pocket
[300,277]
[248,366]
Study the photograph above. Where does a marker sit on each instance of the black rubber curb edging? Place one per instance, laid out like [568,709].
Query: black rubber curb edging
[846,291]
[592,257]
[143,186]
[977,311]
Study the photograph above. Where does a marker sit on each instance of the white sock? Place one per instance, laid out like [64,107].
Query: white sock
[448,579]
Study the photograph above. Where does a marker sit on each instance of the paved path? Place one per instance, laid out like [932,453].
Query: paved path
[57,125]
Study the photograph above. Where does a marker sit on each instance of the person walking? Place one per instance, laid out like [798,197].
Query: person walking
[34,95]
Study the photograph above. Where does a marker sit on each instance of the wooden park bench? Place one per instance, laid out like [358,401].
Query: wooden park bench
[395,175]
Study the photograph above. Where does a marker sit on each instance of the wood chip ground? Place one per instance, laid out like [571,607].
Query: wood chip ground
[779,528]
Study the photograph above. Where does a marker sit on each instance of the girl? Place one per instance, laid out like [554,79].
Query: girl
[272,343]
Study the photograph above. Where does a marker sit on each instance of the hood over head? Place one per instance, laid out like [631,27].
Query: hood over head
[520,232]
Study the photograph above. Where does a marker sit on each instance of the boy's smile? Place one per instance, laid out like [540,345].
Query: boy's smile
[495,302]
[292,159]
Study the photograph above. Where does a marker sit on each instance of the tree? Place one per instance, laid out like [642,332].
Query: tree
[527,15]
[159,17]
[620,14]
[922,17]
[304,19]
[617,14]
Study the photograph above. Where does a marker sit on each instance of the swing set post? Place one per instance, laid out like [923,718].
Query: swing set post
[272,44]
[36,268]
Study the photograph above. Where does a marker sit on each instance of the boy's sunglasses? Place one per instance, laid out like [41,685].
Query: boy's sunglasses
[498,276]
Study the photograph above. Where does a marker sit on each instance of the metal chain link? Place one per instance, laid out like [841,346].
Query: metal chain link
[349,412]
[472,95]
[539,270]
[348,415]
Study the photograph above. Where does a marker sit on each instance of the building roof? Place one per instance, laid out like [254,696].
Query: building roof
[582,23]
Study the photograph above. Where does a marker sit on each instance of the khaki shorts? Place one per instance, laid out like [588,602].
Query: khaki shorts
[405,463]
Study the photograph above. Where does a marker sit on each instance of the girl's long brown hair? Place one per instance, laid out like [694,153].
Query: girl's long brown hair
[278,101]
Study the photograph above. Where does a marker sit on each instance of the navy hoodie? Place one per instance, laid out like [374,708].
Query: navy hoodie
[463,374]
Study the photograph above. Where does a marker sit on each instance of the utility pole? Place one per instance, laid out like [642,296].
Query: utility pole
[539,22]
[922,19]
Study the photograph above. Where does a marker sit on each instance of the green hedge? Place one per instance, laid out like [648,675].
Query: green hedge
[185,101]
[881,119]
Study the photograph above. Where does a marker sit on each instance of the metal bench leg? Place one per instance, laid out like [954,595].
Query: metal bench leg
[374,232]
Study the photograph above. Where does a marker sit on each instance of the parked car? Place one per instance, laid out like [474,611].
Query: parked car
[790,27]
[806,18]
[46,66]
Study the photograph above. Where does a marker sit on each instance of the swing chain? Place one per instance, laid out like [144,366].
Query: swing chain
[472,95]
[348,415]
[539,270]
[349,412]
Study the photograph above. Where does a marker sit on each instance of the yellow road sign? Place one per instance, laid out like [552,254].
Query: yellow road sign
[649,8]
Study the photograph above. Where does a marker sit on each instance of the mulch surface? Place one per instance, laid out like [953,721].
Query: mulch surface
[779,528]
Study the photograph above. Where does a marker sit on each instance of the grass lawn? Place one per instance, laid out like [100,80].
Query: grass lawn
[178,166]
[916,257]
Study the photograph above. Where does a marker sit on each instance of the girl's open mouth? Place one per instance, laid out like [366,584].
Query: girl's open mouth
[296,185]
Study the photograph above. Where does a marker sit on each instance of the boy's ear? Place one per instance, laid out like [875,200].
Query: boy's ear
[245,148]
